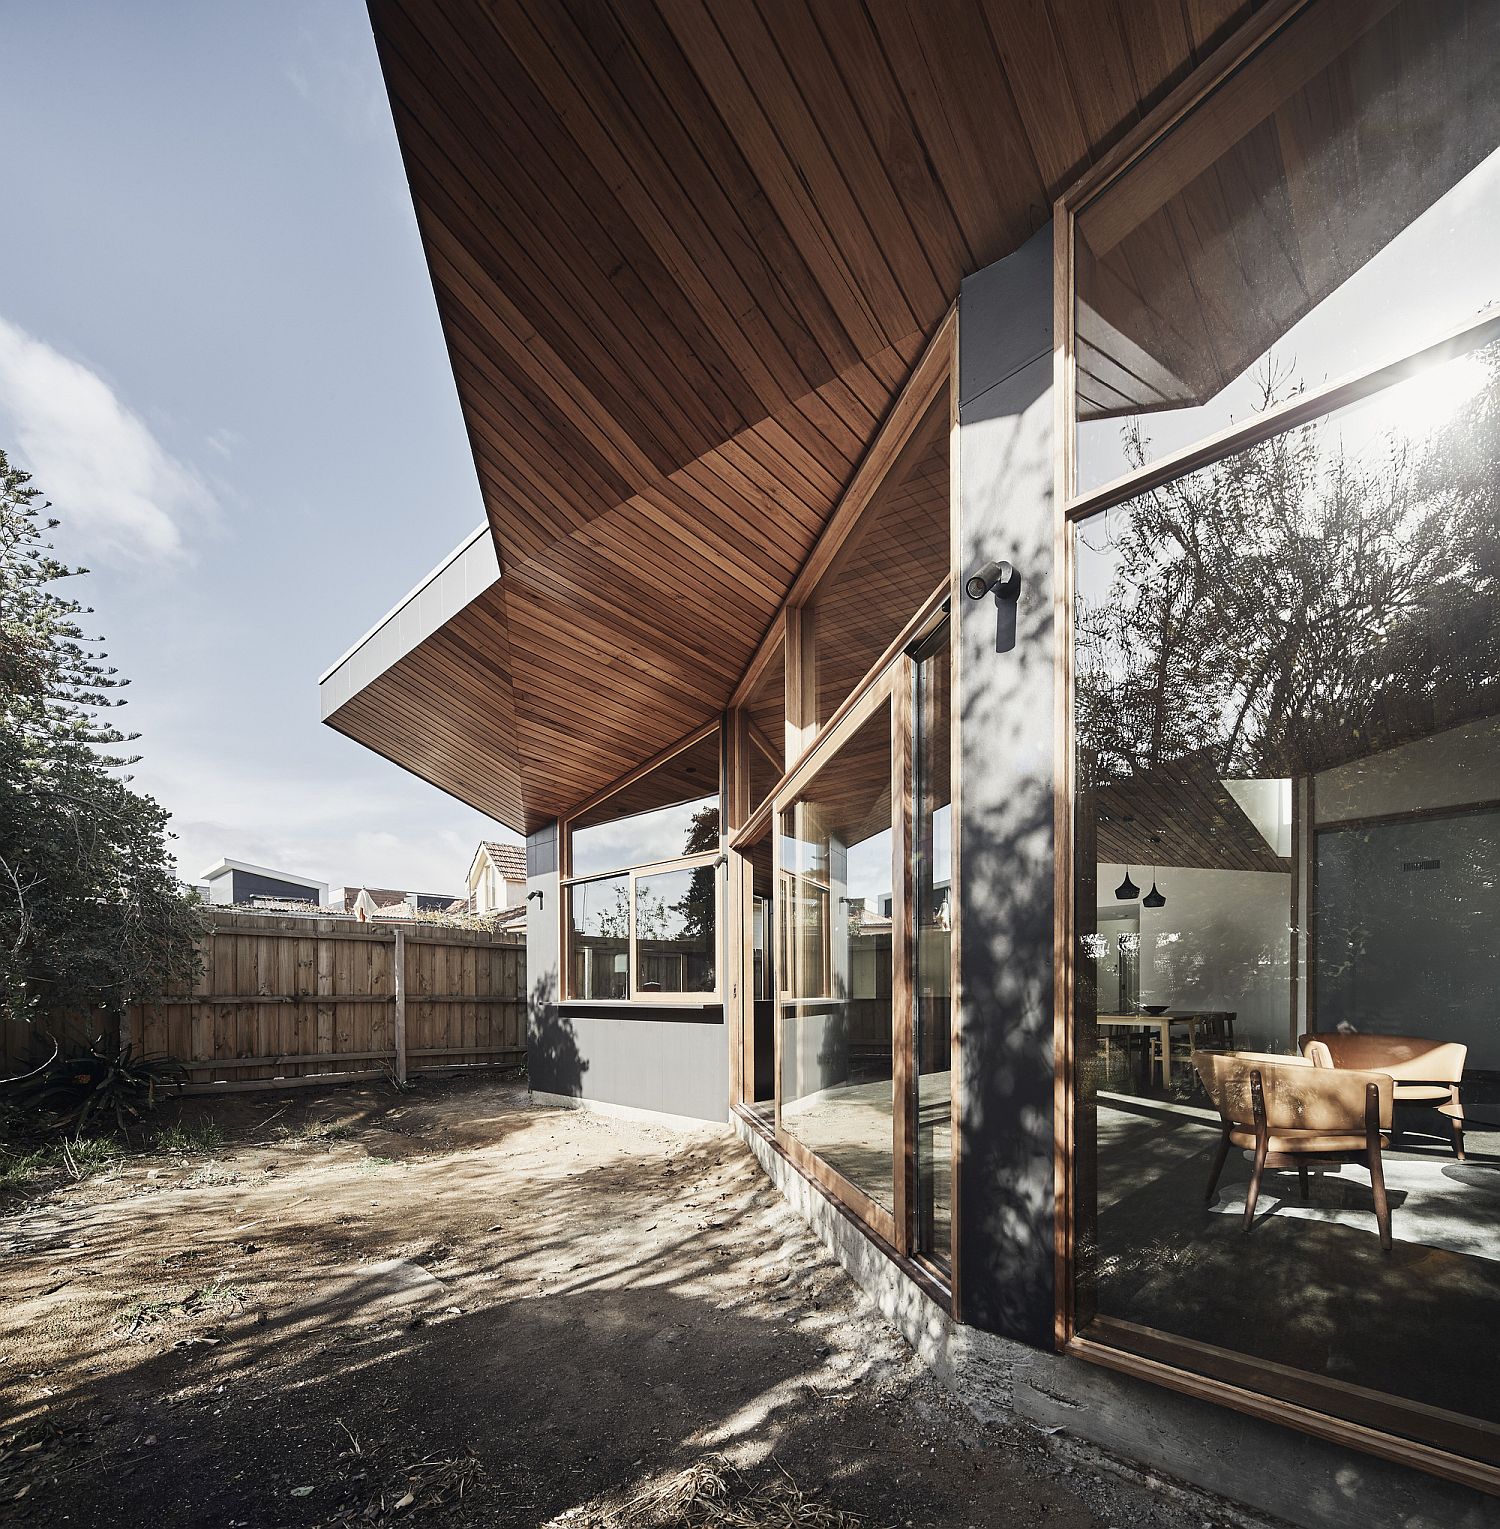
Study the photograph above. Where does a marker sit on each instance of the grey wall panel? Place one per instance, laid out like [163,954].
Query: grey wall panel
[541,851]
[246,884]
[675,1061]
[1005,700]
[648,1060]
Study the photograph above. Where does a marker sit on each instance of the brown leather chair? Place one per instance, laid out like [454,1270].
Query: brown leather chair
[1426,1072]
[1289,1112]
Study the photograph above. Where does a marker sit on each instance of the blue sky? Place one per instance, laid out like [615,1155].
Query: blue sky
[220,357]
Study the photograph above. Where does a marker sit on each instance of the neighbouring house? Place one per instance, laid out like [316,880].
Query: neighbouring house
[989,623]
[233,881]
[497,877]
[370,902]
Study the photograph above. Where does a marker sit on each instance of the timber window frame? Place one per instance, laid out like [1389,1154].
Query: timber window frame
[710,858]
[1378,1423]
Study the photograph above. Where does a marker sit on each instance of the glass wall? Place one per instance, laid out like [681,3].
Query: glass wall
[892,561]
[932,888]
[1335,202]
[1287,713]
[836,865]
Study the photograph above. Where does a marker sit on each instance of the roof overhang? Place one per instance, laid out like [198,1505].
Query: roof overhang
[683,267]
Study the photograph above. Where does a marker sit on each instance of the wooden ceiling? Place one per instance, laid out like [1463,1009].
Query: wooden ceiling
[1181,814]
[890,564]
[684,253]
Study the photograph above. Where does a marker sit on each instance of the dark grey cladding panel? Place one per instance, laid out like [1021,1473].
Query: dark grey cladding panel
[1005,318]
[541,851]
[247,884]
[1005,699]
[673,1061]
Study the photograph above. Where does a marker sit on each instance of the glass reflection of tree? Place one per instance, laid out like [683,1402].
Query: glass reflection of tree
[1298,601]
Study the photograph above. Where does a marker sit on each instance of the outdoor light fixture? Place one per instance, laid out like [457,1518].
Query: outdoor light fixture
[994,577]
[535,897]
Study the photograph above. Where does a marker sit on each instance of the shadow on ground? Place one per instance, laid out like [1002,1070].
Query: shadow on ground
[363,1296]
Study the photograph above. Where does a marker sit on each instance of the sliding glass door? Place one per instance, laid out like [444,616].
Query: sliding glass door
[837,1096]
[932,951]
[863,914]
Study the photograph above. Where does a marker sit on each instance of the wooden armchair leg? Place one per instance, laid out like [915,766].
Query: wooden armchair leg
[1220,1158]
[1253,1194]
[1302,1179]
[1458,1139]
[1262,1146]
[1377,1169]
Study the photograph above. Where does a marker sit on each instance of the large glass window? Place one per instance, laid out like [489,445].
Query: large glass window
[599,923]
[836,864]
[647,929]
[1287,712]
[675,930]
[669,813]
[1335,201]
[1288,726]
[891,562]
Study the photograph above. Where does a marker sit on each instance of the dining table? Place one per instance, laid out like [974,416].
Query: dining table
[1203,1025]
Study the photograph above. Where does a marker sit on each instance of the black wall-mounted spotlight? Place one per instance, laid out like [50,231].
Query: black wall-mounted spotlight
[534,897]
[996,578]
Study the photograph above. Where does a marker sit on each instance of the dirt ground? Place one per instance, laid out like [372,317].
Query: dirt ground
[450,1308]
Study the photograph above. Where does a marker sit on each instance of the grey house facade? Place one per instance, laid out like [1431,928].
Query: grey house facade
[235,881]
[992,643]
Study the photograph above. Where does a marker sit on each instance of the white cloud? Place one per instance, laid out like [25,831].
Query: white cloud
[111,481]
[334,71]
[331,829]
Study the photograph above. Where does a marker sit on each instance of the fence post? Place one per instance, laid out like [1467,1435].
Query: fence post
[401,1006]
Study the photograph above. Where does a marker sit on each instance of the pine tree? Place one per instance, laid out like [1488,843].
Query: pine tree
[91,916]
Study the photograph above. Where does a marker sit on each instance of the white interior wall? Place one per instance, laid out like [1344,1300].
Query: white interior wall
[1450,769]
[1223,941]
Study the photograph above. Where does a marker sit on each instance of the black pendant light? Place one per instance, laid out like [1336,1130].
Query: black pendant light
[1153,898]
[1127,891]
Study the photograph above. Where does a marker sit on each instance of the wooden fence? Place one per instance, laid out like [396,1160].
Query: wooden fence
[285,1000]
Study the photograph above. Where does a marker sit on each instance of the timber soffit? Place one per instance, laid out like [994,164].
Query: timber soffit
[685,255]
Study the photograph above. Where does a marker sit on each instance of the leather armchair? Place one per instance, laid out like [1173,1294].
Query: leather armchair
[1425,1072]
[1289,1111]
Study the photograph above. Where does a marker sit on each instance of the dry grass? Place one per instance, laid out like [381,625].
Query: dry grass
[712,1494]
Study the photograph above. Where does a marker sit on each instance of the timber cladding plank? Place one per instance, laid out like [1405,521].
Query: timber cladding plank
[283,999]
[685,254]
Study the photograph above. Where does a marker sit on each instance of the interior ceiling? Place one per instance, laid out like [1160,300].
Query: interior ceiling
[1195,261]
[1180,814]
[685,252]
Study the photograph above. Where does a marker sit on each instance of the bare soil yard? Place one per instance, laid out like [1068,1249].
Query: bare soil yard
[450,1308]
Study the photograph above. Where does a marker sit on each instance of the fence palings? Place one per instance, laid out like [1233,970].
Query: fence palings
[284,999]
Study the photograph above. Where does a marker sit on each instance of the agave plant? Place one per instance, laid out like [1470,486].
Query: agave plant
[99,1087]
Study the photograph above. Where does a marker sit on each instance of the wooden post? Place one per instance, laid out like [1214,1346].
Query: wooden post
[401,1006]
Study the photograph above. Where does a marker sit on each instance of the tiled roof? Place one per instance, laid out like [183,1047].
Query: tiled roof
[509,859]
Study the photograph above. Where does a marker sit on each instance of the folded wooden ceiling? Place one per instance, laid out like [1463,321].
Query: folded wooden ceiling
[684,254]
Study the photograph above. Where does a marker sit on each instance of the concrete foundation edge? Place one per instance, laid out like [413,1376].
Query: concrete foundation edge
[1271,1470]
[626,1112]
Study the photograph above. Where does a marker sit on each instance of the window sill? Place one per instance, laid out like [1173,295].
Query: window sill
[640,1003]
